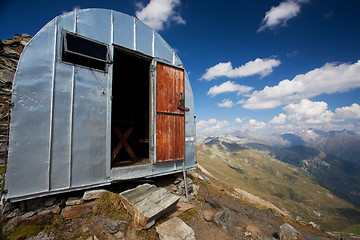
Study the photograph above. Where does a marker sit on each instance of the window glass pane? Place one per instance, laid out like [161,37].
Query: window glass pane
[84,52]
[86,47]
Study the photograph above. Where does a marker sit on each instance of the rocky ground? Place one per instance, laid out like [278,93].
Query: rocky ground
[214,212]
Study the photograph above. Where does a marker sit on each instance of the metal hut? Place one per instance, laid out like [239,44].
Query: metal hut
[98,97]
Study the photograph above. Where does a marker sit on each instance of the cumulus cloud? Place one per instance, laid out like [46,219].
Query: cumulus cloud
[315,114]
[212,126]
[228,87]
[350,112]
[238,120]
[263,67]
[331,78]
[159,13]
[279,119]
[203,123]
[281,14]
[309,112]
[226,103]
[253,124]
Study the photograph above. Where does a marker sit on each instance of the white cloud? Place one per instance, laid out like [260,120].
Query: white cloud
[331,78]
[202,123]
[351,112]
[263,67]
[226,103]
[228,87]
[279,15]
[279,119]
[238,120]
[159,13]
[309,112]
[255,125]
[212,126]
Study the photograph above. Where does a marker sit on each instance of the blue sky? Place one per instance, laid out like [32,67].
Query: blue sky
[265,66]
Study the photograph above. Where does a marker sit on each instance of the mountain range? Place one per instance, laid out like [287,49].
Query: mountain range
[286,169]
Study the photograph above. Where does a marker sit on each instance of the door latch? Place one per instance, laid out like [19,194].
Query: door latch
[181,104]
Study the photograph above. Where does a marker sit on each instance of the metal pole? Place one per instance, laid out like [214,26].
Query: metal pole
[185,183]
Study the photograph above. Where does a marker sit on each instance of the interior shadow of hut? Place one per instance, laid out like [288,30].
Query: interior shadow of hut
[130,109]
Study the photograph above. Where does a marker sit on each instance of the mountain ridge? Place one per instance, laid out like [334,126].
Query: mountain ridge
[294,189]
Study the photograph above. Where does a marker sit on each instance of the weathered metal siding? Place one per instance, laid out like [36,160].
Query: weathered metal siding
[170,120]
[29,160]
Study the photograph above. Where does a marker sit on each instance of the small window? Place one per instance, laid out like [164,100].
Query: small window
[85,52]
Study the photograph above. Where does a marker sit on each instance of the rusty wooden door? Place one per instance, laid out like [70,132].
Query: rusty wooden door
[170,113]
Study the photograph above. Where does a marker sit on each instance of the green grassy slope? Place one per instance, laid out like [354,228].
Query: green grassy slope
[288,187]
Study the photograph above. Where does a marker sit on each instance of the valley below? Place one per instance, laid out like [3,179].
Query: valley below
[304,182]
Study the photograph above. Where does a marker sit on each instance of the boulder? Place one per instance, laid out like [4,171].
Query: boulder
[146,203]
[175,229]
[224,219]
[288,232]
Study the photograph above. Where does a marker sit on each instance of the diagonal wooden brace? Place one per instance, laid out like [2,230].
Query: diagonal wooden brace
[123,142]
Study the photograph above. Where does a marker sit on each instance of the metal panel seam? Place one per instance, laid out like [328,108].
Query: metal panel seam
[52,106]
[72,109]
[134,33]
[109,103]
[153,43]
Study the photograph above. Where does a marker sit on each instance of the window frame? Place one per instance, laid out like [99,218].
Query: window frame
[64,51]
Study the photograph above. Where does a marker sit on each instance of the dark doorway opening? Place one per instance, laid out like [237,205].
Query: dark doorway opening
[130,109]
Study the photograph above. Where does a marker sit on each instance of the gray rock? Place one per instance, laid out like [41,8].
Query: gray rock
[224,219]
[287,232]
[49,202]
[175,229]
[6,76]
[42,236]
[180,186]
[74,201]
[12,214]
[28,214]
[9,53]
[212,202]
[94,194]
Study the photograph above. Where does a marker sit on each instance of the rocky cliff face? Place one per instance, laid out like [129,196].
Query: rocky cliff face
[10,51]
